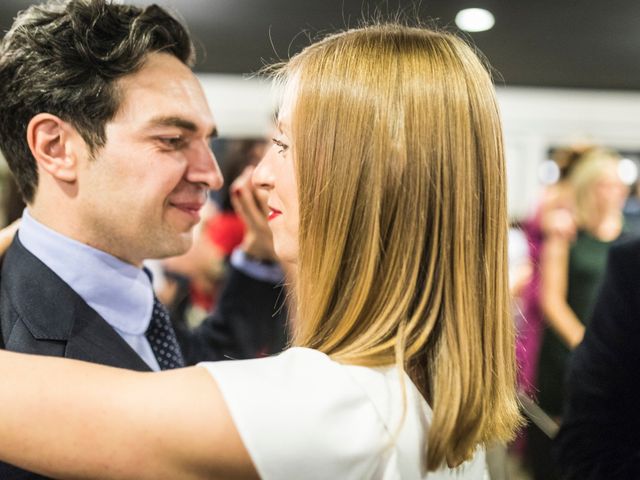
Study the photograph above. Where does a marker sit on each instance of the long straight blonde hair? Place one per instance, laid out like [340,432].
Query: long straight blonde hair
[403,222]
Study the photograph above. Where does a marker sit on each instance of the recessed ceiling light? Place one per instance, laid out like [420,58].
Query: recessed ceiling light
[475,20]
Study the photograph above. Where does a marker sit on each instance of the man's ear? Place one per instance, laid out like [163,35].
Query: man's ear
[53,144]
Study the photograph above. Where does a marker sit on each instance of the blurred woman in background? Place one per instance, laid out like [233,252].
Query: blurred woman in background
[571,271]
[553,217]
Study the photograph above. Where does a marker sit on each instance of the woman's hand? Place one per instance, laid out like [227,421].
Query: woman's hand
[6,236]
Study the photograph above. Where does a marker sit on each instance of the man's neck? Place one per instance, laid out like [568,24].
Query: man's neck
[120,292]
[64,226]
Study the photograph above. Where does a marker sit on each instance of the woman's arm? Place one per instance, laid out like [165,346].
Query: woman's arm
[71,419]
[554,269]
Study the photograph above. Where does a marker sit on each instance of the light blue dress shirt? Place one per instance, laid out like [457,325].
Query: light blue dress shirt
[120,292]
[258,271]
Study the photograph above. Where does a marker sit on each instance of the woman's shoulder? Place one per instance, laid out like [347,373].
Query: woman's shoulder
[303,410]
[303,374]
[303,415]
[294,368]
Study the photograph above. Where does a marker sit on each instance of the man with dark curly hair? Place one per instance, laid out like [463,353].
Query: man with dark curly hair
[107,132]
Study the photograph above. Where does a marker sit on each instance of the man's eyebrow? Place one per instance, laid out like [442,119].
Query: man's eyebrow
[180,123]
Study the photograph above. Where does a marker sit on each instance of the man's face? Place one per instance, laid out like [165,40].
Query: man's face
[141,193]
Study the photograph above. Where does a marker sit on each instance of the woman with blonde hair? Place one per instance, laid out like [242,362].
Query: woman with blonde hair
[599,197]
[571,272]
[386,191]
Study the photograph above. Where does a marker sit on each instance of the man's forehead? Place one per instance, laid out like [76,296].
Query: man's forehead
[170,96]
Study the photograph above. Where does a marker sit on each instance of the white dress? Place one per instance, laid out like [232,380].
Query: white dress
[304,416]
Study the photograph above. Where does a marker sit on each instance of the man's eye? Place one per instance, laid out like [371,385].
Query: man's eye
[172,142]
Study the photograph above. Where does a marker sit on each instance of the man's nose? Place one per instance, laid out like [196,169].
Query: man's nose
[203,168]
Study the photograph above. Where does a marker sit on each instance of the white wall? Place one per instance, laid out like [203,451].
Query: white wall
[241,106]
[534,120]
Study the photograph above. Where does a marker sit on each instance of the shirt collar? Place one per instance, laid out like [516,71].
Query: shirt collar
[120,292]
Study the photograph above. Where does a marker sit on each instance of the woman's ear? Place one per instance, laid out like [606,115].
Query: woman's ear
[51,140]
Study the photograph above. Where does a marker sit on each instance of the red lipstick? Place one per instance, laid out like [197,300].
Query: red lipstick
[273,213]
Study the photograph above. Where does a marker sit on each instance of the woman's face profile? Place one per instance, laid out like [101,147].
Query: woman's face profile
[276,174]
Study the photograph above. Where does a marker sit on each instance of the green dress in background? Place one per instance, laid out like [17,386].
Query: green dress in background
[587,262]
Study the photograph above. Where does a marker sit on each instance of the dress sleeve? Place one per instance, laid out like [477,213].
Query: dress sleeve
[301,415]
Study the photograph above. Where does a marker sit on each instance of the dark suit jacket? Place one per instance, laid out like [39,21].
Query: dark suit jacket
[41,314]
[249,322]
[600,435]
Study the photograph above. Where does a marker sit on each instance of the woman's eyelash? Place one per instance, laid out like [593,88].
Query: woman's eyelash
[283,146]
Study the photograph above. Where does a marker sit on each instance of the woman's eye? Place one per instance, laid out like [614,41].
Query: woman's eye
[282,147]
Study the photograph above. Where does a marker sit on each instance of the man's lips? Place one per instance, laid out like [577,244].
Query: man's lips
[273,213]
[190,208]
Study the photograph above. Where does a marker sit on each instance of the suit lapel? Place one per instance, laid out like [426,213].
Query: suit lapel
[95,340]
[52,310]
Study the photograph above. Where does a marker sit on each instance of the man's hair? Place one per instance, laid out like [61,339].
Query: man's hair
[64,58]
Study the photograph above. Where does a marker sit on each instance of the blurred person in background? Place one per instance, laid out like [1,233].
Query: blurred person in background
[632,209]
[571,272]
[13,206]
[13,203]
[600,434]
[195,278]
[520,267]
[554,217]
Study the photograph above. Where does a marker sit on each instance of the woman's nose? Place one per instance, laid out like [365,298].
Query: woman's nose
[263,173]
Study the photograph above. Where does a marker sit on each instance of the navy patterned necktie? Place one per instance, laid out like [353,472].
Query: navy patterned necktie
[162,338]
